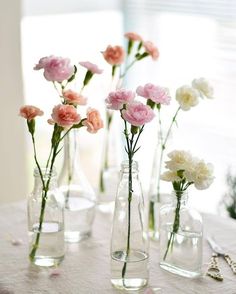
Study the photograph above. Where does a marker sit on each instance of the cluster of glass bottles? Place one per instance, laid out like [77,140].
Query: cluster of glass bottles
[69,214]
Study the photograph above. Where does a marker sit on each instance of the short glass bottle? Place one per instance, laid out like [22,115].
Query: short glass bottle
[46,221]
[80,199]
[181,234]
[129,242]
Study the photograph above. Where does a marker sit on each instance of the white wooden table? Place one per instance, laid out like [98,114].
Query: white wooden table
[86,267]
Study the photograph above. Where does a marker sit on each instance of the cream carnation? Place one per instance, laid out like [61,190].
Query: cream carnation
[170,176]
[204,87]
[187,97]
[203,175]
[179,160]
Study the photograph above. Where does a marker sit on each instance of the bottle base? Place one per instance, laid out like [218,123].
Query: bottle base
[178,271]
[129,284]
[106,207]
[154,235]
[47,261]
[76,237]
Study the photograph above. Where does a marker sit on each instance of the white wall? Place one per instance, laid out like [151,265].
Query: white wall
[12,156]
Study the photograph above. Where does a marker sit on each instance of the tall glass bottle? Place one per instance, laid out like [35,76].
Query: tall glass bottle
[46,221]
[129,242]
[80,199]
[180,237]
[109,172]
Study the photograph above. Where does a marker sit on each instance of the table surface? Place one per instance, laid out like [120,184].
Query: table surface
[86,267]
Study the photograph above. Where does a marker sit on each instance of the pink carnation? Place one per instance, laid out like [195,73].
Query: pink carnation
[65,115]
[133,36]
[29,112]
[157,94]
[114,55]
[93,121]
[91,67]
[138,114]
[72,97]
[116,100]
[151,49]
[56,69]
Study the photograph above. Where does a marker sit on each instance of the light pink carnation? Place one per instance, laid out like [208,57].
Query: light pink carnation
[56,69]
[114,55]
[157,94]
[151,49]
[138,114]
[91,67]
[65,115]
[93,121]
[133,36]
[73,97]
[29,112]
[116,100]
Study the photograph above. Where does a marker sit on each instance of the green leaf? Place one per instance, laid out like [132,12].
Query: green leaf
[141,56]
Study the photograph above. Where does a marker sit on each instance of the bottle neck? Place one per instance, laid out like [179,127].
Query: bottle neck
[179,197]
[71,148]
[49,179]
[127,169]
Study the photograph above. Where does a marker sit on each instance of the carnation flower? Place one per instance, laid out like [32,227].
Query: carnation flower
[151,49]
[117,99]
[93,121]
[204,87]
[133,37]
[187,97]
[170,176]
[91,67]
[179,160]
[29,112]
[65,115]
[138,114]
[157,94]
[56,69]
[72,97]
[114,55]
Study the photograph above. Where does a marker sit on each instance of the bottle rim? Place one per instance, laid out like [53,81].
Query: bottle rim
[45,171]
[125,164]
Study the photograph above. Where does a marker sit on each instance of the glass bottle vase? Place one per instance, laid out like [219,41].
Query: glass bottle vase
[45,221]
[109,171]
[79,197]
[129,242]
[180,237]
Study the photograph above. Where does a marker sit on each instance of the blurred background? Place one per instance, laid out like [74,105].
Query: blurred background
[195,39]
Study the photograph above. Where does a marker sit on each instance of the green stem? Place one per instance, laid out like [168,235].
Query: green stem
[175,224]
[129,218]
[127,68]
[163,142]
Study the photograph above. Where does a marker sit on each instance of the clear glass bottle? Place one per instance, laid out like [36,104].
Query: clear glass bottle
[109,172]
[129,242]
[80,199]
[46,221]
[180,237]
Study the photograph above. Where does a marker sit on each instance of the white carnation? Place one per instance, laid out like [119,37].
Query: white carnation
[170,176]
[202,175]
[204,87]
[179,160]
[187,97]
